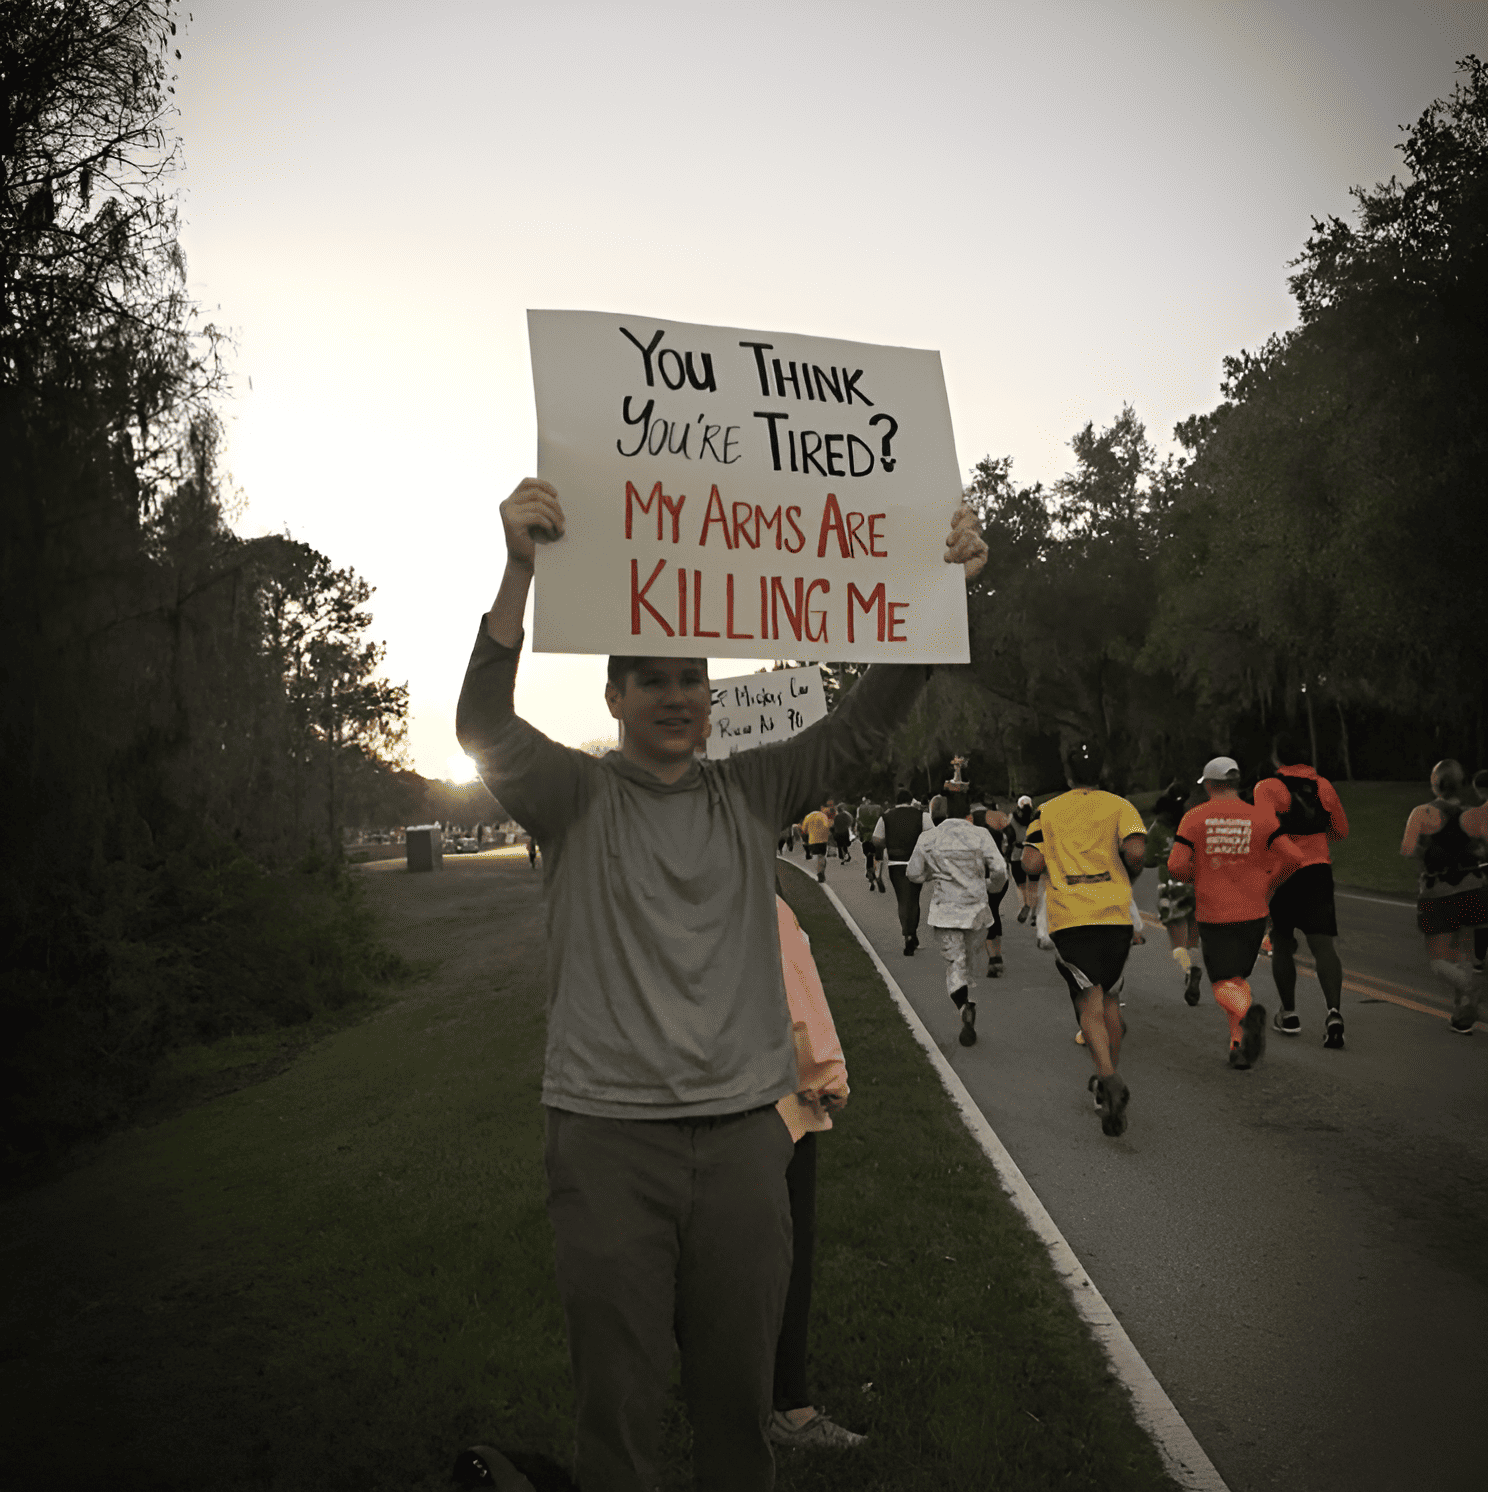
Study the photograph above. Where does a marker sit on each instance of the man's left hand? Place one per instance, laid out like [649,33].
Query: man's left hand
[964,544]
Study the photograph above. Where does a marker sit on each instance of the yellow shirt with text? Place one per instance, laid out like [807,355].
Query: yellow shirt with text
[816,827]
[1079,835]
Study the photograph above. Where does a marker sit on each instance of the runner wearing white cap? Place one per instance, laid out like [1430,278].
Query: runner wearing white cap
[1229,849]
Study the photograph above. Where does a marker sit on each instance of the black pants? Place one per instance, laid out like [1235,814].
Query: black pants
[791,1391]
[908,894]
[671,1235]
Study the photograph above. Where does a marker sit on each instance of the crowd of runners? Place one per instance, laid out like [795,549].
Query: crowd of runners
[1242,871]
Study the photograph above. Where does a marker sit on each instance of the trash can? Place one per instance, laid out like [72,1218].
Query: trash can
[425,847]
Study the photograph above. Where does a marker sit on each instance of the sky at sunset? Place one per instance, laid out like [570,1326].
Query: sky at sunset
[1079,205]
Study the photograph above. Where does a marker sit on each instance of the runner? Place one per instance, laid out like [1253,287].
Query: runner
[1229,849]
[960,863]
[1309,814]
[1451,843]
[1091,844]
[532,852]
[668,1030]
[817,828]
[869,814]
[1022,817]
[896,834]
[999,826]
[842,820]
[1175,898]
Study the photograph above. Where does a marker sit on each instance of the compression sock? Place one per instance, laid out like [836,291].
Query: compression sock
[1181,958]
[1454,975]
[1233,997]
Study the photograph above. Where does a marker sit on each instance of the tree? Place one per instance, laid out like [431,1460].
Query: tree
[1316,512]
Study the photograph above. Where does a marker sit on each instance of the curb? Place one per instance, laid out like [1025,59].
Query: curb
[1182,1455]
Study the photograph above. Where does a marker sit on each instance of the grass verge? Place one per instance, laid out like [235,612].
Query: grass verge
[338,1276]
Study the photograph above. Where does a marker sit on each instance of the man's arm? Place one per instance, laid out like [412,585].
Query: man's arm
[1338,825]
[918,869]
[536,779]
[1423,820]
[1180,857]
[1134,853]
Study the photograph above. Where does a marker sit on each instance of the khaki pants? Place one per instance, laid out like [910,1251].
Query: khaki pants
[671,1235]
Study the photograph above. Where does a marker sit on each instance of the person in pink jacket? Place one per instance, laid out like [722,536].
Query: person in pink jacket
[821,1091]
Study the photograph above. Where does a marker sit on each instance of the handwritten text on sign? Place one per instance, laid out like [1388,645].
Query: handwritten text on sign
[743,494]
[760,708]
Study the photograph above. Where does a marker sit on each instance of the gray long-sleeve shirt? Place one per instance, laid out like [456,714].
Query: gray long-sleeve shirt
[665,996]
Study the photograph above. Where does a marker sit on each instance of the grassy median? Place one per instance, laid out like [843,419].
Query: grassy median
[338,1276]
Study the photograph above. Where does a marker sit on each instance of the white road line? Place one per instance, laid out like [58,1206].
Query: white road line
[1181,1453]
[1379,901]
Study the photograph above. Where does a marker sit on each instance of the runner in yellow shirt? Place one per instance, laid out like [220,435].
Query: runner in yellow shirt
[817,826]
[1089,845]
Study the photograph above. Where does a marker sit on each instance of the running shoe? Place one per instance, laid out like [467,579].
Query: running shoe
[968,1024]
[1047,944]
[1191,988]
[821,875]
[1023,915]
[820,1432]
[1266,946]
[909,947]
[1094,1086]
[1333,1031]
[1113,1094]
[1237,1060]
[1253,1035]
[994,966]
[1460,1025]
[1288,1022]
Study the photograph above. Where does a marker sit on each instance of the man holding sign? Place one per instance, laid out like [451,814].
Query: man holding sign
[668,1029]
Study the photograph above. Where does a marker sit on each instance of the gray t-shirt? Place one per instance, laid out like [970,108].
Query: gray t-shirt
[665,997]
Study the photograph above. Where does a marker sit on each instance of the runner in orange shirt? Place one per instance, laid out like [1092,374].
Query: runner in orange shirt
[1451,842]
[1309,814]
[1229,849]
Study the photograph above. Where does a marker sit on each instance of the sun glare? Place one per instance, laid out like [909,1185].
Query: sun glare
[459,767]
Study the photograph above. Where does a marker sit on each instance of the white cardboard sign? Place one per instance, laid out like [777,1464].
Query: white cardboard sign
[744,494]
[757,709]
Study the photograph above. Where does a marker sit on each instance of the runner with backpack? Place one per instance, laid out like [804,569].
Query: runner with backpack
[1451,842]
[1309,814]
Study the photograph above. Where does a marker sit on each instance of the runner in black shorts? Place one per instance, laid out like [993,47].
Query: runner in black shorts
[1309,814]
[1088,845]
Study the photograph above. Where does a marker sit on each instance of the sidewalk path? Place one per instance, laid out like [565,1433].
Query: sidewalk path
[1295,1251]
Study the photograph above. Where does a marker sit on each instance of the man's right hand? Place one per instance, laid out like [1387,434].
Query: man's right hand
[531,515]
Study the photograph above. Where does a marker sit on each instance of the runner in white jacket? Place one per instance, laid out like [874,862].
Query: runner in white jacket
[959,862]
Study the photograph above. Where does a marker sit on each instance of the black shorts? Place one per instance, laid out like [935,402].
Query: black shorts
[1445,914]
[1090,956]
[1304,902]
[816,849]
[1231,948]
[1019,874]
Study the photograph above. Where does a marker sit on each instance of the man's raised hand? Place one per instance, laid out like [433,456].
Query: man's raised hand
[530,516]
[964,544]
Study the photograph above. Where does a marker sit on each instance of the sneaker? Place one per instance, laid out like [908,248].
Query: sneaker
[1460,1025]
[820,1432]
[968,1024]
[1023,915]
[994,966]
[1333,1032]
[1237,1059]
[1253,1035]
[1191,988]
[1288,1022]
[1266,946]
[1113,1094]
[1047,944]
[821,875]
[909,947]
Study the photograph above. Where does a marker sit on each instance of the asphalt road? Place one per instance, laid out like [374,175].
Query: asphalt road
[1298,1251]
